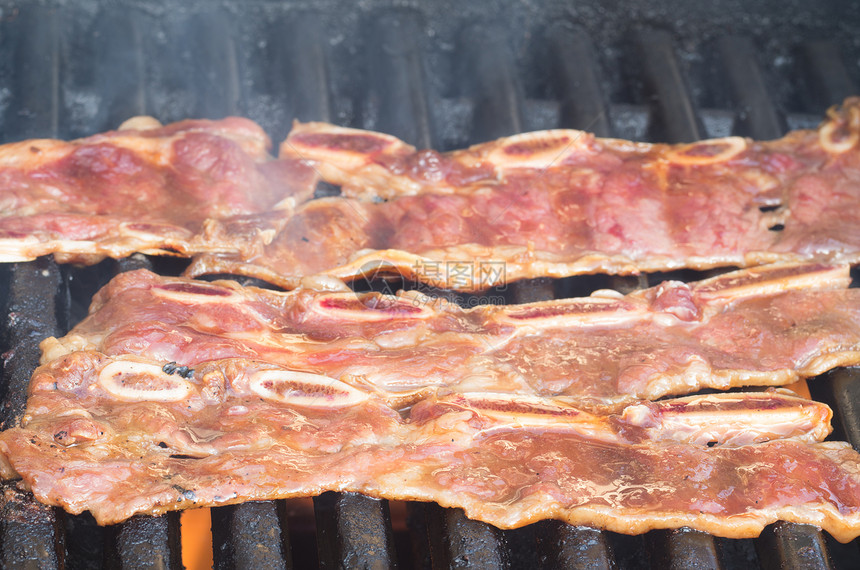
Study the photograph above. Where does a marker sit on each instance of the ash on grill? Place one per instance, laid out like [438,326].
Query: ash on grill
[443,75]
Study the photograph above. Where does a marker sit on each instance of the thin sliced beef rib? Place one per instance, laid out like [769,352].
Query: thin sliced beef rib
[120,435]
[554,203]
[143,188]
[175,393]
[561,203]
[762,326]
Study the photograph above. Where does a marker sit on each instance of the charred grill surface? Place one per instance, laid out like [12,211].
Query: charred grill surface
[444,75]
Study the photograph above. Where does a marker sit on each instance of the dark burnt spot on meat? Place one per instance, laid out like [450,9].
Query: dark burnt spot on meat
[185,494]
[769,208]
[35,150]
[162,445]
[182,456]
[183,371]
[195,289]
[359,142]
[776,227]
[61,436]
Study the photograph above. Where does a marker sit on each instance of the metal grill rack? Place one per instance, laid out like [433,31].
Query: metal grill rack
[441,76]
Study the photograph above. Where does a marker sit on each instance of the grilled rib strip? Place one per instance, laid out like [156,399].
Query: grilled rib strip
[764,326]
[144,188]
[118,436]
[561,203]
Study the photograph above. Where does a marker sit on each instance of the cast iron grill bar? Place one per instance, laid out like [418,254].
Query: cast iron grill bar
[31,534]
[460,542]
[213,58]
[683,548]
[758,117]
[31,310]
[675,114]
[398,97]
[117,42]
[249,535]
[144,542]
[396,70]
[829,82]
[574,69]
[353,531]
[34,40]
[788,546]
[584,106]
[576,547]
[840,389]
[489,76]
[303,81]
[195,69]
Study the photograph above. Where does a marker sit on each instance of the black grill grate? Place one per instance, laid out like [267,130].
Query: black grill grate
[441,75]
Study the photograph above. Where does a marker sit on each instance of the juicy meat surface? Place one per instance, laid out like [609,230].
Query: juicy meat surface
[121,435]
[561,203]
[762,326]
[143,188]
